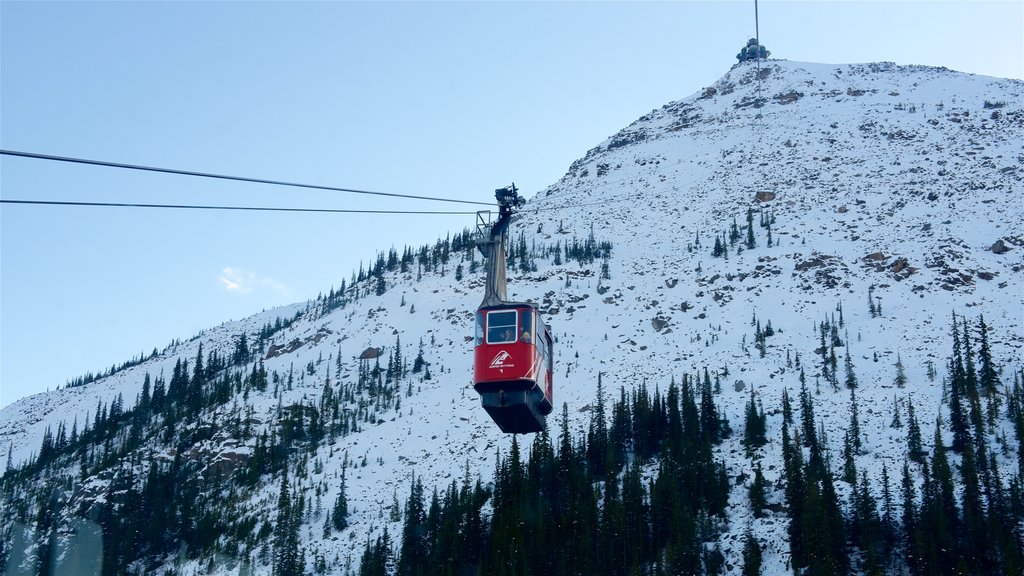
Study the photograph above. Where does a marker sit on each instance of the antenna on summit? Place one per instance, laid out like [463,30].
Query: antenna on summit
[757,31]
[757,37]
[754,50]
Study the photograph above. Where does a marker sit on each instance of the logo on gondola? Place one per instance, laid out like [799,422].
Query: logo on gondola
[502,360]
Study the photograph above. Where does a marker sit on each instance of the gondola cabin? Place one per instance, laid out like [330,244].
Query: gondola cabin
[512,368]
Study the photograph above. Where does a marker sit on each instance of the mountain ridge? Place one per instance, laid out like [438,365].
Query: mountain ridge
[887,182]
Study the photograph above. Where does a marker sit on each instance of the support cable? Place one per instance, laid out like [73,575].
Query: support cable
[226,177]
[208,207]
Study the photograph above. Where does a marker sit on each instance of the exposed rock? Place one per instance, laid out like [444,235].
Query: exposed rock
[625,139]
[1000,247]
[788,97]
[765,196]
[659,323]
[816,262]
[224,464]
[276,350]
[830,271]
[371,353]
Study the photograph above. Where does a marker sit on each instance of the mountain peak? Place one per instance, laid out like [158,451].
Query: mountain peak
[885,196]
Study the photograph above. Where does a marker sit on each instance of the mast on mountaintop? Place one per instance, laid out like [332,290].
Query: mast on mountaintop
[757,37]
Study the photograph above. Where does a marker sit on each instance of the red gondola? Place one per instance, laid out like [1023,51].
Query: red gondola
[513,366]
[513,360]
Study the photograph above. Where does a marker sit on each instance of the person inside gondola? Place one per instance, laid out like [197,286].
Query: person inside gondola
[502,335]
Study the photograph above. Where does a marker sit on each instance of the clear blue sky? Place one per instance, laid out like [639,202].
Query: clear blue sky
[439,99]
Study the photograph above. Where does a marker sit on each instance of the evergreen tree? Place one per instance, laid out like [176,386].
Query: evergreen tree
[806,413]
[915,449]
[787,407]
[376,556]
[286,532]
[339,513]
[908,512]
[957,393]
[750,229]
[597,438]
[901,375]
[751,555]
[849,464]
[896,421]
[988,376]
[754,425]
[854,430]
[412,559]
[195,387]
[851,378]
[419,362]
[973,391]
[756,493]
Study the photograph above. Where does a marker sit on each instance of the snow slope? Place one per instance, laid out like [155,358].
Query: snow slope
[893,179]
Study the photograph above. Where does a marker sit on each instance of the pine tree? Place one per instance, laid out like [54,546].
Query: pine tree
[754,425]
[988,376]
[896,422]
[413,553]
[851,378]
[832,364]
[286,532]
[787,407]
[901,375]
[717,250]
[849,464]
[339,513]
[756,493]
[888,514]
[958,393]
[908,512]
[806,413]
[915,449]
[419,362]
[972,388]
[751,555]
[750,229]
[597,438]
[194,393]
[854,430]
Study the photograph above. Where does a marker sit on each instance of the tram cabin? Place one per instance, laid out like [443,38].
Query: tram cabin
[512,368]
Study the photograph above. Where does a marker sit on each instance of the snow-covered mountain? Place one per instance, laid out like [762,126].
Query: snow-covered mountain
[895,185]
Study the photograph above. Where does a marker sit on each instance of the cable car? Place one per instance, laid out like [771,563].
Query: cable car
[514,352]
[512,366]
